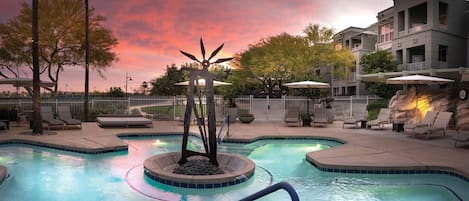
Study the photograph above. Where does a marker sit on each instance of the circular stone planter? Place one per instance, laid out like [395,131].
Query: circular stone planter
[237,170]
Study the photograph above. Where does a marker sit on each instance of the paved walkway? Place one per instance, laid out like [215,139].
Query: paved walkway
[363,148]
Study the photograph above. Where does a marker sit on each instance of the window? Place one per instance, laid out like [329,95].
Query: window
[401,21]
[443,15]
[399,57]
[317,72]
[442,53]
[386,32]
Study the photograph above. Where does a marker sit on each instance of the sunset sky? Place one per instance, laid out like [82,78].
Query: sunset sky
[150,32]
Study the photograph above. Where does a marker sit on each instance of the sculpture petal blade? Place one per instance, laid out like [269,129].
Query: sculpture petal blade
[222,60]
[189,55]
[202,48]
[215,52]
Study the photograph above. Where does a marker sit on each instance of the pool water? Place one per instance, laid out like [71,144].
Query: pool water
[46,174]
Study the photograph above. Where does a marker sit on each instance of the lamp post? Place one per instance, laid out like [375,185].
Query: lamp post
[127,78]
[144,85]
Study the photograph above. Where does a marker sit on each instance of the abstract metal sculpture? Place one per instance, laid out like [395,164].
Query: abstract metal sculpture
[210,147]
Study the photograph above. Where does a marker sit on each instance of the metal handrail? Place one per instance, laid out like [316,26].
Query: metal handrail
[226,120]
[270,189]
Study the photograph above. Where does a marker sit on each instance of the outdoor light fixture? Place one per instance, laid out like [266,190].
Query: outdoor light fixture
[127,78]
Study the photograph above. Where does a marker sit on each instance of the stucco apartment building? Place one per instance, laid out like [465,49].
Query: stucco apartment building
[425,37]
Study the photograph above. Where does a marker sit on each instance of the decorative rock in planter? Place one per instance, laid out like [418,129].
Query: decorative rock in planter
[246,118]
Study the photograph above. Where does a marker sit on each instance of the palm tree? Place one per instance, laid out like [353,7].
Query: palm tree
[37,121]
[87,67]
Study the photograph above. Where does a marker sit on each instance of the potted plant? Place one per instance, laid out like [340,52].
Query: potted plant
[306,118]
[246,118]
[231,109]
[329,110]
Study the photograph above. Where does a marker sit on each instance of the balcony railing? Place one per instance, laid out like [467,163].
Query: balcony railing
[416,66]
[401,67]
[443,64]
[418,28]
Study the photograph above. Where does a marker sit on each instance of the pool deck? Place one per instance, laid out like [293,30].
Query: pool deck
[364,149]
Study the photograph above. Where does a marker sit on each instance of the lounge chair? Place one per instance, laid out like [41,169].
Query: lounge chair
[440,124]
[383,118]
[47,116]
[292,116]
[461,138]
[65,115]
[5,125]
[320,117]
[355,119]
[117,120]
[427,121]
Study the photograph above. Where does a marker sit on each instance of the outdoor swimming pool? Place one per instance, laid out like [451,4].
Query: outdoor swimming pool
[46,174]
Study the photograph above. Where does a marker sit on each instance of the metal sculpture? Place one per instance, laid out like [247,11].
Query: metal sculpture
[210,147]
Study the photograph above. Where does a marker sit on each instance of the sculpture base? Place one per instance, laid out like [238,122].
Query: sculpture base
[236,168]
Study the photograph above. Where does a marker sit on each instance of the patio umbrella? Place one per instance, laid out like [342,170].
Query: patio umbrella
[202,83]
[307,85]
[24,82]
[416,80]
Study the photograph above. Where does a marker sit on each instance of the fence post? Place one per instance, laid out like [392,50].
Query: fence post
[250,103]
[174,107]
[284,102]
[128,105]
[366,100]
[56,104]
[351,105]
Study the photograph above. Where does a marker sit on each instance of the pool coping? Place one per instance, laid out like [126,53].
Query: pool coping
[3,174]
[61,147]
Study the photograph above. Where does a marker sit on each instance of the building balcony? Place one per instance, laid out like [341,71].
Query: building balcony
[401,67]
[443,64]
[416,66]
[418,28]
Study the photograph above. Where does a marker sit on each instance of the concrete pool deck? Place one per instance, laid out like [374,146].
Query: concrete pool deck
[363,148]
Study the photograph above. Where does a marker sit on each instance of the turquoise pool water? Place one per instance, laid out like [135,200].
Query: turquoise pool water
[47,174]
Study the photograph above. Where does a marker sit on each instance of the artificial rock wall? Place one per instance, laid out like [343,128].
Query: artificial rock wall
[403,105]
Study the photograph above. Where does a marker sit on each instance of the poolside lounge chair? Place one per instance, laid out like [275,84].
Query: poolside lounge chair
[427,121]
[5,125]
[461,138]
[117,120]
[383,118]
[440,124]
[292,116]
[355,119]
[47,116]
[65,115]
[320,117]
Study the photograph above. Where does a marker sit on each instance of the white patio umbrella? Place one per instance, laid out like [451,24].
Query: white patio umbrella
[307,85]
[24,82]
[417,79]
[202,83]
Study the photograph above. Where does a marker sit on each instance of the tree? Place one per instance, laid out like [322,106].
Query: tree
[164,85]
[292,58]
[116,92]
[276,59]
[37,119]
[62,38]
[379,61]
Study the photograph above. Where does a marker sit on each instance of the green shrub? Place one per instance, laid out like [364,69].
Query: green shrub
[373,108]
[8,113]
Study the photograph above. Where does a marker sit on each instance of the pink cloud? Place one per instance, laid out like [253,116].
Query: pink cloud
[151,33]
